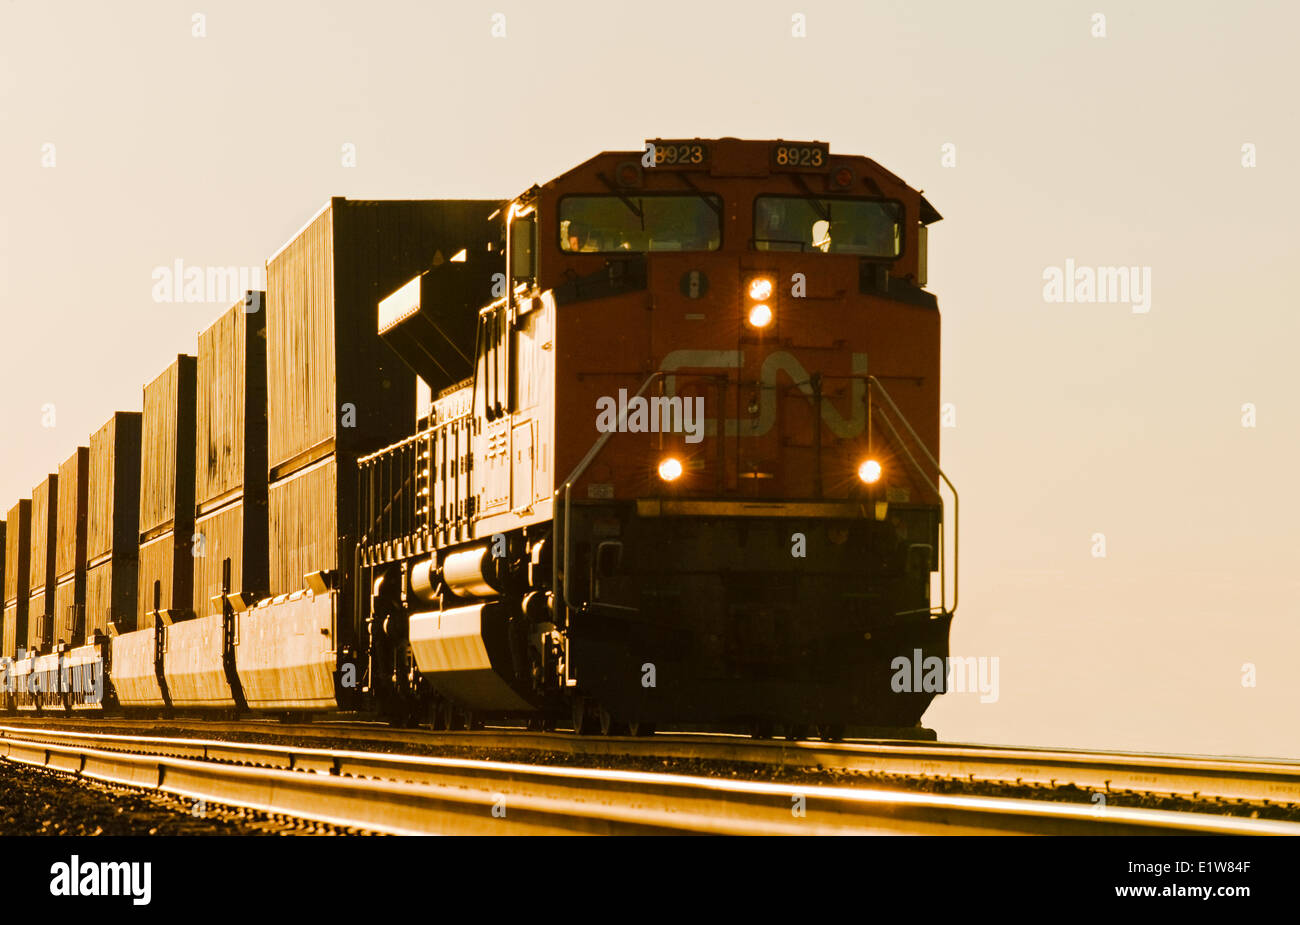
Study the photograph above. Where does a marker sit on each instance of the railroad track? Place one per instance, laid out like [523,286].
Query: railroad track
[406,794]
[1203,779]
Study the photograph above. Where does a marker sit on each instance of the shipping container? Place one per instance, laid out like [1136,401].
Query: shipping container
[235,533]
[111,588]
[113,524]
[39,621]
[307,521]
[68,610]
[231,457]
[70,555]
[15,627]
[231,453]
[41,574]
[167,479]
[332,383]
[167,450]
[166,577]
[18,526]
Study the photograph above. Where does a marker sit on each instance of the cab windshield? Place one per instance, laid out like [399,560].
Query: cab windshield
[867,227]
[637,223]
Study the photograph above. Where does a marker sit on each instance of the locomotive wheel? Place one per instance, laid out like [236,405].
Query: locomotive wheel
[832,732]
[610,726]
[544,722]
[448,716]
[761,730]
[795,731]
[641,728]
[584,724]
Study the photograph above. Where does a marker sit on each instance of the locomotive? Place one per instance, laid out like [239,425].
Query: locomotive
[651,445]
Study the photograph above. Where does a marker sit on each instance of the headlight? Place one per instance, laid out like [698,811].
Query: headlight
[760,316]
[670,469]
[869,471]
[760,289]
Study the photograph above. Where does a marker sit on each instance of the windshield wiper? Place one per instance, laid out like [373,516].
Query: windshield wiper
[713,202]
[822,208]
[632,207]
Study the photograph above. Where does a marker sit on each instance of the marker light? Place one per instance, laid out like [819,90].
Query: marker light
[869,471]
[628,174]
[760,289]
[670,469]
[760,316]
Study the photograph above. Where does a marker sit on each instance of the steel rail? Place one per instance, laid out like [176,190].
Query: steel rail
[400,794]
[1188,777]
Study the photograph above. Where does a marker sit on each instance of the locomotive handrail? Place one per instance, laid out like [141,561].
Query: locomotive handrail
[373,511]
[392,447]
[872,381]
[580,468]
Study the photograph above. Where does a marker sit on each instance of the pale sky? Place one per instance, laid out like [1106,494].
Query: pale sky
[1071,419]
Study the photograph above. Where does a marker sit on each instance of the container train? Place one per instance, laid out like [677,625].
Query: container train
[652,445]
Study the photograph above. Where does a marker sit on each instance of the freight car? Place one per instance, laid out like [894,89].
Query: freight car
[652,444]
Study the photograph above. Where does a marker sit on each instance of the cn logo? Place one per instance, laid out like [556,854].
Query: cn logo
[776,365]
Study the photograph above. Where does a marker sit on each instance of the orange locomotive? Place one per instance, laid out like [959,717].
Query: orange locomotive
[692,476]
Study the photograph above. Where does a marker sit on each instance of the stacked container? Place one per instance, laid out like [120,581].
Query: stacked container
[18,530]
[70,556]
[113,525]
[41,572]
[165,587]
[230,554]
[335,391]
[230,457]
[167,540]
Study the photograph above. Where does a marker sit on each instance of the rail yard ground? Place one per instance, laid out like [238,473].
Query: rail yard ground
[34,801]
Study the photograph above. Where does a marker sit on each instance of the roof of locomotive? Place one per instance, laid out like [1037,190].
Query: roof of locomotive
[745,158]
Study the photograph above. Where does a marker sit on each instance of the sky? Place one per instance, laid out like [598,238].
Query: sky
[1162,138]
